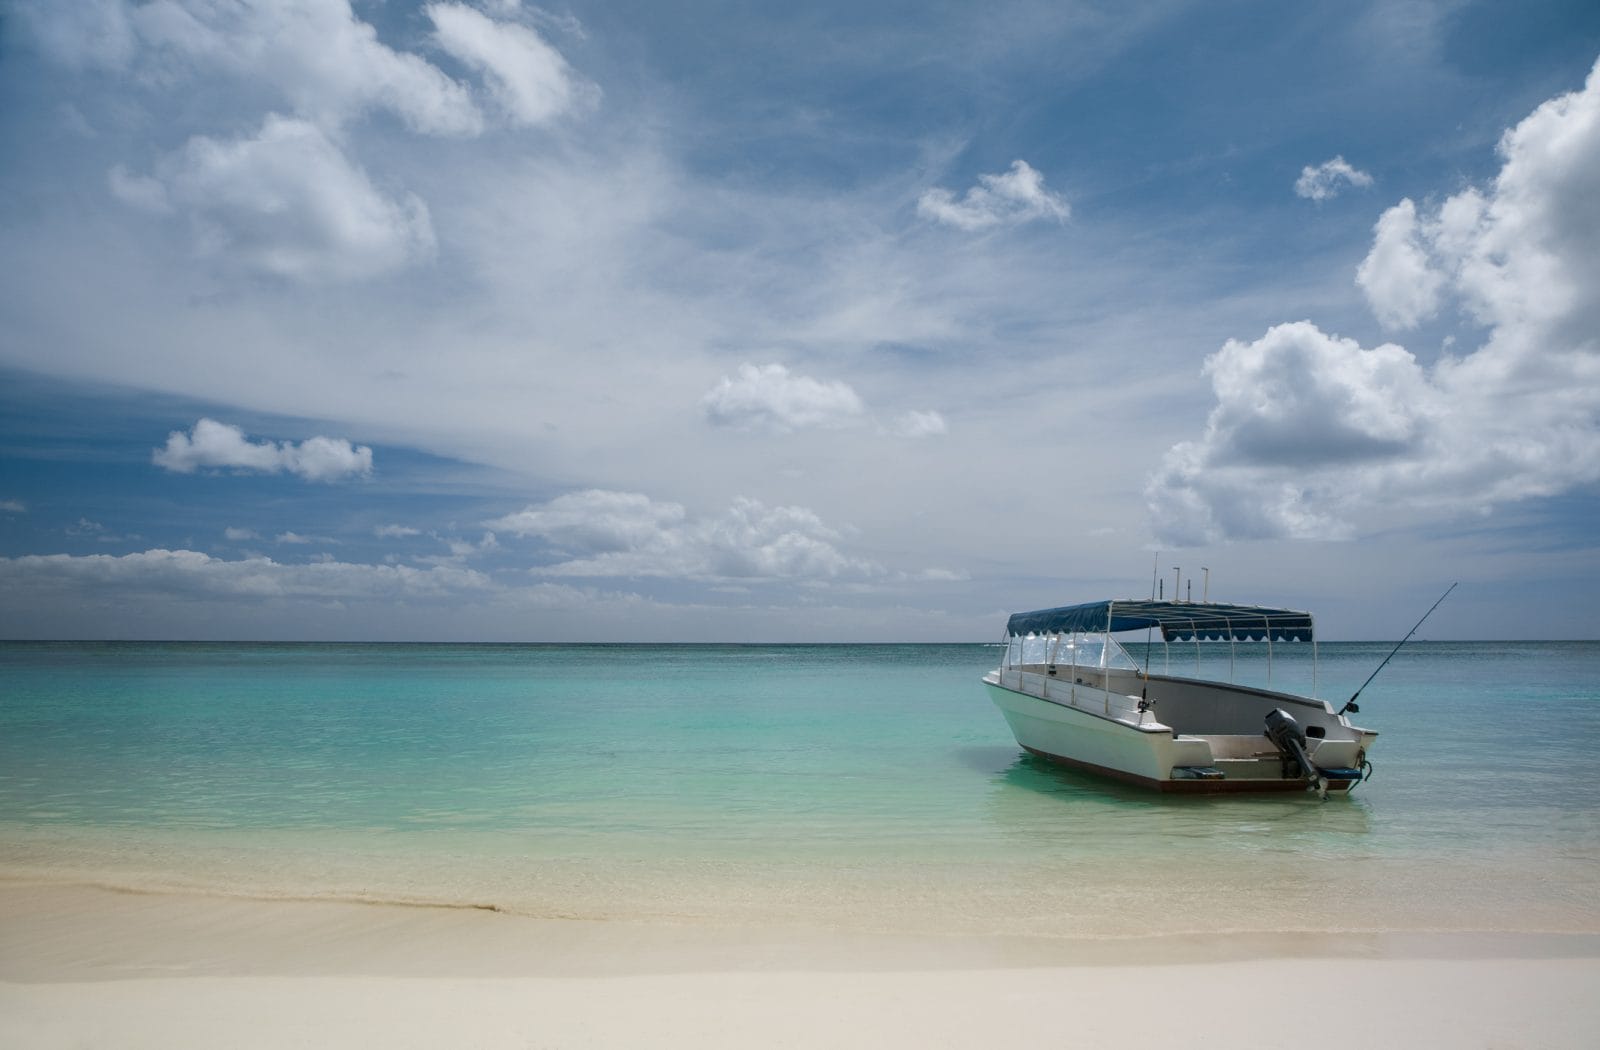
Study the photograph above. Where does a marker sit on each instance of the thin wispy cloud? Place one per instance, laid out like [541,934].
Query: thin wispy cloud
[187,572]
[316,58]
[296,539]
[460,550]
[919,424]
[528,79]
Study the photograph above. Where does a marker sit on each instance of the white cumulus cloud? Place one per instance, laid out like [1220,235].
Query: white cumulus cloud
[1300,416]
[608,534]
[771,397]
[1327,179]
[1010,198]
[287,202]
[222,446]
[1401,283]
[1315,436]
[595,520]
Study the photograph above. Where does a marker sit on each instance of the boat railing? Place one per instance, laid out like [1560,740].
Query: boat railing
[1084,688]
[1291,668]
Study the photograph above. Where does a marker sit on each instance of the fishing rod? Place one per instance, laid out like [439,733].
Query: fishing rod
[1350,704]
[1144,692]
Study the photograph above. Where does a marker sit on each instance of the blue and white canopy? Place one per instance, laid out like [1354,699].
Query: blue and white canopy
[1179,621]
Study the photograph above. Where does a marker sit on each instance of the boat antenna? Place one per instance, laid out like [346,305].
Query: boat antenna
[1350,704]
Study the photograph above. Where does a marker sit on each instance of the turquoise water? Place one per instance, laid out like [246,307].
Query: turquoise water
[870,787]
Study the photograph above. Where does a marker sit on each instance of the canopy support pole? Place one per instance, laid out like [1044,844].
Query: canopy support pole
[1314,695]
[1105,650]
[1268,621]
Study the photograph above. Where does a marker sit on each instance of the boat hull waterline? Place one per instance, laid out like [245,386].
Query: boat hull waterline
[1124,759]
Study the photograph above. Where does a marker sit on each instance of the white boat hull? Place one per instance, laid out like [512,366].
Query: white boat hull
[1106,734]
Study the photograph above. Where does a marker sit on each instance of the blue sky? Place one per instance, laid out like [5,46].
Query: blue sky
[480,320]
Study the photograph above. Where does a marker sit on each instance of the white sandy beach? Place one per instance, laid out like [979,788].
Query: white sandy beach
[88,967]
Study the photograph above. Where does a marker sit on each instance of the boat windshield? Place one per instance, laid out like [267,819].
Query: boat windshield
[1080,650]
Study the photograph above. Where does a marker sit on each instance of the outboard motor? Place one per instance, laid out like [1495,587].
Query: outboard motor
[1287,735]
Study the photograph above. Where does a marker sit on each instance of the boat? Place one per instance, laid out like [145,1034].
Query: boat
[1072,694]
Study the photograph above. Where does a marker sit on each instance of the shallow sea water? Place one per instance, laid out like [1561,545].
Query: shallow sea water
[869,787]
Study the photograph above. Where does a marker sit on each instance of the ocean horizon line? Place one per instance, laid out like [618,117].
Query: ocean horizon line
[708,642]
